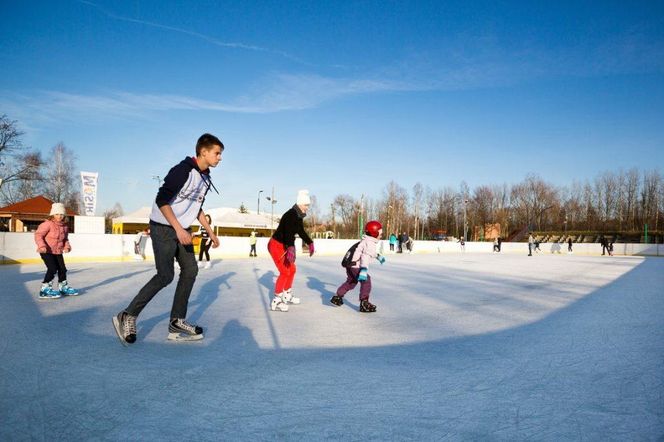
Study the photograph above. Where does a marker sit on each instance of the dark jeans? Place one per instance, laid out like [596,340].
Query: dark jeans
[351,281]
[252,251]
[206,243]
[166,248]
[54,264]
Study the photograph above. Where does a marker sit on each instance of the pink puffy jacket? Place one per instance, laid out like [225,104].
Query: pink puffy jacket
[53,236]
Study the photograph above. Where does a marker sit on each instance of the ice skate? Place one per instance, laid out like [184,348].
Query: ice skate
[278,304]
[337,300]
[125,327]
[208,265]
[47,292]
[366,306]
[288,297]
[66,290]
[181,330]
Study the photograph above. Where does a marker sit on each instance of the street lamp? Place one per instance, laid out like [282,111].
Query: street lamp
[359,217]
[157,178]
[272,202]
[258,208]
[388,219]
[465,225]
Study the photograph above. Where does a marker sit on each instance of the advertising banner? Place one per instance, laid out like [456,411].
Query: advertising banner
[89,190]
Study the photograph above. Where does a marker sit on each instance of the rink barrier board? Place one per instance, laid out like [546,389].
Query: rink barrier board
[20,248]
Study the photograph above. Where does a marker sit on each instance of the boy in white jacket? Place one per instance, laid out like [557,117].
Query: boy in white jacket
[357,270]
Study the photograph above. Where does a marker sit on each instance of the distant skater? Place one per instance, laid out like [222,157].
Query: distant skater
[462,243]
[357,267]
[282,250]
[140,240]
[569,245]
[52,239]
[252,244]
[178,204]
[530,244]
[206,243]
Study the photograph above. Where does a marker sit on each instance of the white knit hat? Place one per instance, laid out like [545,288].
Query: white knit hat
[303,197]
[57,209]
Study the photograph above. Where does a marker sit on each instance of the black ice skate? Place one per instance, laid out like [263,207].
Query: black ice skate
[125,327]
[181,330]
[367,307]
[337,300]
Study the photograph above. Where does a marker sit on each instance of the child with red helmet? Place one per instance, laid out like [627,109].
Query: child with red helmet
[357,269]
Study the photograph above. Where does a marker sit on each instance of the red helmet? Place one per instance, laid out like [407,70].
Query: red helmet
[373,228]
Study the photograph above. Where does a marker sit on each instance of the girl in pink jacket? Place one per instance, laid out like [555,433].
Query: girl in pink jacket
[52,239]
[358,266]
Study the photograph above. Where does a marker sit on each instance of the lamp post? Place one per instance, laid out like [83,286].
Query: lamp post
[157,178]
[565,225]
[359,217]
[465,225]
[389,232]
[272,202]
[258,208]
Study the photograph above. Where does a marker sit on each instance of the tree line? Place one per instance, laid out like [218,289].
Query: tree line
[622,201]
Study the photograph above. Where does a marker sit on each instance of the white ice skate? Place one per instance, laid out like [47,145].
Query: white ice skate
[288,297]
[278,304]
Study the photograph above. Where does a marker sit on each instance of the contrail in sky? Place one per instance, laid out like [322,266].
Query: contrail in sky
[207,38]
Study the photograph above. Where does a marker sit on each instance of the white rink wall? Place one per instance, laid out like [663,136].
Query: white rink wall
[21,248]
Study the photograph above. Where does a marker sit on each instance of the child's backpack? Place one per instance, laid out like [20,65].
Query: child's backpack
[347,261]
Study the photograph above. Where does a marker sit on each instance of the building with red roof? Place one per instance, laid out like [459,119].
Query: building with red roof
[25,216]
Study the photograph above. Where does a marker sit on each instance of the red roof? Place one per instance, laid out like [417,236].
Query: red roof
[38,205]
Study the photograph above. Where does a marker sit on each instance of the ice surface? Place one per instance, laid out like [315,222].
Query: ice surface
[474,346]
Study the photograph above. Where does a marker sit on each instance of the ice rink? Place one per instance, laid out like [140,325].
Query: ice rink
[472,347]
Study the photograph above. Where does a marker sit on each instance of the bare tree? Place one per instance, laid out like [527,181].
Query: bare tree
[10,136]
[394,203]
[345,207]
[114,212]
[313,212]
[60,178]
[21,178]
[531,199]
[418,203]
[649,198]
[19,171]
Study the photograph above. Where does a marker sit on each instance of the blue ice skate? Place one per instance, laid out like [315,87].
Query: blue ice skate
[66,290]
[47,292]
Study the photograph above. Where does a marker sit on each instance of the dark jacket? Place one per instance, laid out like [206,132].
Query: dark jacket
[291,223]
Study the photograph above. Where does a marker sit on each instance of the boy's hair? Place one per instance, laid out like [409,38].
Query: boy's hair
[207,141]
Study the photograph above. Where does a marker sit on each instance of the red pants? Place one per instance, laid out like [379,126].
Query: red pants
[286,271]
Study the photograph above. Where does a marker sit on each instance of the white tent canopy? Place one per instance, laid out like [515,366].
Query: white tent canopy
[221,217]
[140,216]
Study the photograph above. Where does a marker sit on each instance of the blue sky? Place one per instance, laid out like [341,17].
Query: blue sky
[337,97]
